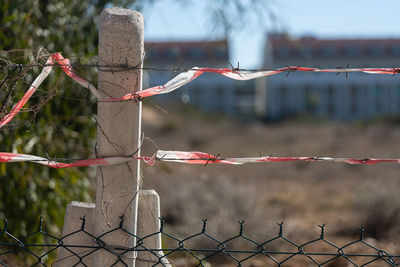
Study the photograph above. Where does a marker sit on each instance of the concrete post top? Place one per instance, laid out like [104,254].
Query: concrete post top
[121,14]
[148,192]
[121,41]
[82,204]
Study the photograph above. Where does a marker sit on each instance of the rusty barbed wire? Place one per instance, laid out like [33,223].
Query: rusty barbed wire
[359,252]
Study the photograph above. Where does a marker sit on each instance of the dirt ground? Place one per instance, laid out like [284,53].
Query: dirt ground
[302,195]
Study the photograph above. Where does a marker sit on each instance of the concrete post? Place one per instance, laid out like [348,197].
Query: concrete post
[119,127]
[117,186]
[148,224]
[72,223]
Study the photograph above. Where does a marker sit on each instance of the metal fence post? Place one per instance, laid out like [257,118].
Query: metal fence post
[119,126]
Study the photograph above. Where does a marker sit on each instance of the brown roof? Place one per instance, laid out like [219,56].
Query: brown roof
[185,44]
[181,51]
[310,47]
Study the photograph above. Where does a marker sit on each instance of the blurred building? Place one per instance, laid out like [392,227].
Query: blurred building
[327,95]
[210,92]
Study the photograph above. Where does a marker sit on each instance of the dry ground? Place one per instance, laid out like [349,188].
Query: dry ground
[302,195]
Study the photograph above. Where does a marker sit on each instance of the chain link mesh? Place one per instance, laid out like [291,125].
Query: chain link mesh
[316,252]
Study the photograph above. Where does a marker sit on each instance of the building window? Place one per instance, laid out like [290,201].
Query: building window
[171,54]
[282,51]
[220,98]
[375,50]
[152,55]
[395,50]
[352,51]
[331,100]
[283,101]
[329,51]
[219,53]
[378,106]
[245,89]
[398,100]
[196,96]
[353,97]
[306,52]
[312,100]
[196,53]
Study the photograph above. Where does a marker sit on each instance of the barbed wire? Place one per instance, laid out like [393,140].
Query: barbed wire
[185,157]
[124,67]
[43,54]
[175,156]
[56,59]
[264,251]
[319,251]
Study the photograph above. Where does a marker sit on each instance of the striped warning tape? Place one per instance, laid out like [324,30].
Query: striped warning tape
[188,157]
[178,81]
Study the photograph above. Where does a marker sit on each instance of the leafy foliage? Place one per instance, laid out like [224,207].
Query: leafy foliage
[62,127]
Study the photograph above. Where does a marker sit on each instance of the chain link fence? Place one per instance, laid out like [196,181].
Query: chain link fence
[279,250]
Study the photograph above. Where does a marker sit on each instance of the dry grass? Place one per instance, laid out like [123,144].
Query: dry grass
[341,196]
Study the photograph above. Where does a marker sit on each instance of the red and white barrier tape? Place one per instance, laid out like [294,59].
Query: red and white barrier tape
[183,157]
[175,83]
[242,75]
[205,158]
[35,85]
[66,66]
[14,157]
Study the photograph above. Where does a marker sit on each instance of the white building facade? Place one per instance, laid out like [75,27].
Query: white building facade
[326,95]
[210,92]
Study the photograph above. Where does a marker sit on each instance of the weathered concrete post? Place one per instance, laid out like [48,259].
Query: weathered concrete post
[72,222]
[148,224]
[117,186]
[119,127]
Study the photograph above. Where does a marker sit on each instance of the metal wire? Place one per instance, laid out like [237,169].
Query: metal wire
[358,252]
[7,64]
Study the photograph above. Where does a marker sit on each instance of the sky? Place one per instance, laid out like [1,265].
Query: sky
[170,20]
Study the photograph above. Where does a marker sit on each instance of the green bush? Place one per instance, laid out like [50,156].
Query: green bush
[58,120]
